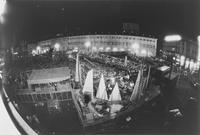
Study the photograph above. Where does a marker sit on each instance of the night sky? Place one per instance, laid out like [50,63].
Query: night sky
[34,20]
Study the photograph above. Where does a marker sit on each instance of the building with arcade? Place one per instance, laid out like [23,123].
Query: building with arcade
[141,46]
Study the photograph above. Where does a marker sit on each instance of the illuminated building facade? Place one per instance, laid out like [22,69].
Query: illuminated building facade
[141,46]
[184,49]
[187,48]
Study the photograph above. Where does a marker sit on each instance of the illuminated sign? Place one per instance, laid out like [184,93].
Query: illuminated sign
[172,38]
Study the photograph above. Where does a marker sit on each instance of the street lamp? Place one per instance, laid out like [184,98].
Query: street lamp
[57,47]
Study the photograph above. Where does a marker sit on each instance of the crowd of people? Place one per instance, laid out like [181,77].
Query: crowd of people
[111,67]
[20,68]
[120,64]
[111,74]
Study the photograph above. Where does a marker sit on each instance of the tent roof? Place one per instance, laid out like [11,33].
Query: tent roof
[49,75]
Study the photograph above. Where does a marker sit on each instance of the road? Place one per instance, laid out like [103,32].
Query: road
[186,98]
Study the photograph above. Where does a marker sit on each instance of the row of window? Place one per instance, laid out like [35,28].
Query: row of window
[81,40]
[108,43]
[111,37]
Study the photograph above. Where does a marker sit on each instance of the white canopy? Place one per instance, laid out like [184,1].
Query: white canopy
[115,95]
[101,92]
[136,87]
[88,86]
[49,75]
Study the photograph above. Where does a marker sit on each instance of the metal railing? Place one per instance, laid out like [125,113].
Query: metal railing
[27,129]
